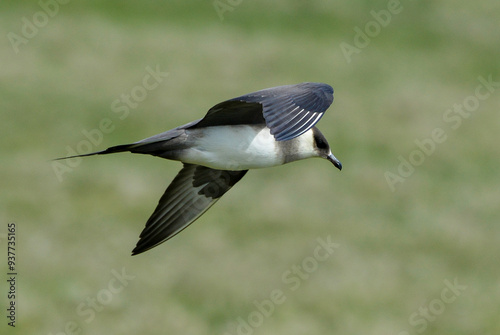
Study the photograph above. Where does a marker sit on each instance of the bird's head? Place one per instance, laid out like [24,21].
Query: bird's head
[323,148]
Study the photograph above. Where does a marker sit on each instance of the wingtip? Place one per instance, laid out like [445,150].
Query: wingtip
[144,245]
[139,249]
[134,253]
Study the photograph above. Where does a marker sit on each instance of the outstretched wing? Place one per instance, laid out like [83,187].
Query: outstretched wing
[289,111]
[191,193]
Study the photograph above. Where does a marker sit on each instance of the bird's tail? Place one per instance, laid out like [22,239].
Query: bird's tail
[158,145]
[150,146]
[111,150]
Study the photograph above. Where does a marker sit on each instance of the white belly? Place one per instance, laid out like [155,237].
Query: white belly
[234,148]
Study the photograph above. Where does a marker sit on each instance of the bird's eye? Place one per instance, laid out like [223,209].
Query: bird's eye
[321,144]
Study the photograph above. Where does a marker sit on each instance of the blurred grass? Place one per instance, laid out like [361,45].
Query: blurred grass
[395,248]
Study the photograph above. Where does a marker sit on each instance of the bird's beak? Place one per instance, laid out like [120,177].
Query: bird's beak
[335,161]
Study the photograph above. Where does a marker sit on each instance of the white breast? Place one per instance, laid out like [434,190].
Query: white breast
[234,148]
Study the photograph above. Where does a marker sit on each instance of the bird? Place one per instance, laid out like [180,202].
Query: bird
[267,128]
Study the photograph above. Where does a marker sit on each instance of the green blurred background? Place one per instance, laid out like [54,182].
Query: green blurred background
[397,247]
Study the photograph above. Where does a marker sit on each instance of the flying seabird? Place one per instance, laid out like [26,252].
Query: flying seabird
[266,128]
